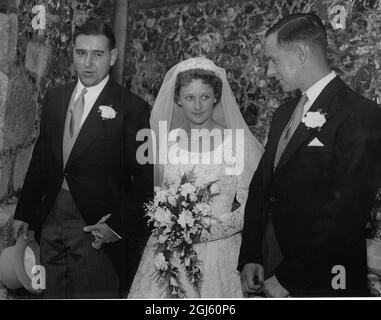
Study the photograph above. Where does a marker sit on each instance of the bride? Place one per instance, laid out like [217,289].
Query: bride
[195,94]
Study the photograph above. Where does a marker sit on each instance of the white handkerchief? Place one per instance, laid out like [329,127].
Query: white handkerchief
[315,143]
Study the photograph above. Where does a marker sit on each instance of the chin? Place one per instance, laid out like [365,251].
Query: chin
[197,122]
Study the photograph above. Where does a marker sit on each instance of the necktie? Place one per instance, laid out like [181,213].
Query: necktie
[76,113]
[290,128]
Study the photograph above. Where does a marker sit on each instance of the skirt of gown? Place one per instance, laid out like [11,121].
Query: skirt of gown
[219,259]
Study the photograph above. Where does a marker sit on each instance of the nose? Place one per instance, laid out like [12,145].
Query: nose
[197,105]
[271,70]
[88,60]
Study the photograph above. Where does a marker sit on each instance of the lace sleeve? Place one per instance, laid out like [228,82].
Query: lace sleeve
[229,223]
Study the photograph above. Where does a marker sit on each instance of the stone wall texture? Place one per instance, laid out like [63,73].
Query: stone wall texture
[18,118]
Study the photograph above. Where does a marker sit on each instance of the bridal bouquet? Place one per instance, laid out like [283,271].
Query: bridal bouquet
[179,214]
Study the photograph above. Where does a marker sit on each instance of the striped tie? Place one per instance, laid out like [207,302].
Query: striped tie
[76,113]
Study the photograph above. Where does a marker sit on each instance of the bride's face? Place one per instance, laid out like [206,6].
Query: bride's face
[197,102]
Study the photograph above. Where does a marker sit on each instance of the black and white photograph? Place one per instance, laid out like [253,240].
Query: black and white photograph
[200,150]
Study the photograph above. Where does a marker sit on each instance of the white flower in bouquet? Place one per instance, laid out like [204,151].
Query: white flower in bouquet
[214,189]
[172,199]
[160,262]
[163,216]
[160,196]
[187,189]
[172,190]
[203,208]
[185,219]
[184,204]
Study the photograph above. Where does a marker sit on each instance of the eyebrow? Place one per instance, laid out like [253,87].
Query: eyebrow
[95,51]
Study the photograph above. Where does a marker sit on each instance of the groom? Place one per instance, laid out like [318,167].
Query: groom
[318,177]
[84,189]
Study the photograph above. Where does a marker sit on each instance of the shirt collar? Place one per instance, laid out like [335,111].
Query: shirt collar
[91,91]
[314,91]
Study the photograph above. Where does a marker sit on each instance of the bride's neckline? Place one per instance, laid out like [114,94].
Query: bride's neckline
[223,142]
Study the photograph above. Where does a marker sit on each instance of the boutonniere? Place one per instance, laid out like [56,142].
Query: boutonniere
[107,112]
[314,119]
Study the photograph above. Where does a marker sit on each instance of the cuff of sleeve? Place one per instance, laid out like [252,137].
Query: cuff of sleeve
[116,234]
[253,259]
[250,254]
[114,225]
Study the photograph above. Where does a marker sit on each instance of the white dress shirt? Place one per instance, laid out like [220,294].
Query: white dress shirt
[91,96]
[314,91]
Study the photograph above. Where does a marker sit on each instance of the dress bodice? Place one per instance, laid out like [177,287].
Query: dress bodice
[209,166]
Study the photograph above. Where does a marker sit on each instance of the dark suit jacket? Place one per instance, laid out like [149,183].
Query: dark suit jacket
[102,172]
[319,198]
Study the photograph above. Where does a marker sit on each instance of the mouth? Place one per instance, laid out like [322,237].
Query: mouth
[197,114]
[88,74]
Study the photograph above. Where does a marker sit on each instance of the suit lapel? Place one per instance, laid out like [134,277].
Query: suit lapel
[94,125]
[60,118]
[302,133]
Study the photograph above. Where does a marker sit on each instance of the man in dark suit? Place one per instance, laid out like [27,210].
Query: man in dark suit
[318,176]
[84,188]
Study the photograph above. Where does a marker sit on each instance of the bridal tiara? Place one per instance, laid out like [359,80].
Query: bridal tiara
[196,63]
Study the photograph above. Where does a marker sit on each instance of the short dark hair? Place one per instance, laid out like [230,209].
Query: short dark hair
[95,27]
[306,27]
[208,77]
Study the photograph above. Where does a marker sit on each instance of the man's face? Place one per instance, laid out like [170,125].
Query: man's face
[284,64]
[93,58]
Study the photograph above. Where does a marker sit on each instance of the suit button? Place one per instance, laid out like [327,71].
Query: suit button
[273,199]
[66,174]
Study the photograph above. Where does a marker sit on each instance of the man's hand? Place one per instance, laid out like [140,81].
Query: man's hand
[252,277]
[102,233]
[274,289]
[20,228]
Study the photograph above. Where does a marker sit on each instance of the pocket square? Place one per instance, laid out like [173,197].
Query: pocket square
[316,143]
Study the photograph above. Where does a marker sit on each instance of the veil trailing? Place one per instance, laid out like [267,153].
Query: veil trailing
[226,112]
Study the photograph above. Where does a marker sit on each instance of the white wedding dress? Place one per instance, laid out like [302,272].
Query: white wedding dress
[219,250]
